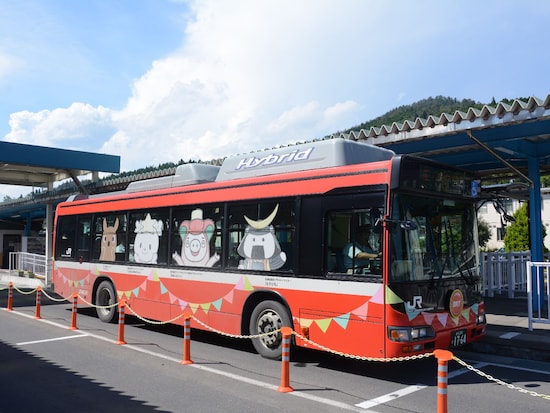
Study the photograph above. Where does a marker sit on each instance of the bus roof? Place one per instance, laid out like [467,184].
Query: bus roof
[308,156]
[313,155]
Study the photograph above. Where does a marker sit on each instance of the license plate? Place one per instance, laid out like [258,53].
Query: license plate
[458,338]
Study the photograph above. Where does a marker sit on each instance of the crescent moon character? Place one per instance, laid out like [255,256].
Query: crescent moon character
[263,223]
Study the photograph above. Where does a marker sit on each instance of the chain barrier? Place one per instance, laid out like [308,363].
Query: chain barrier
[500,382]
[355,357]
[154,322]
[57,300]
[300,336]
[24,292]
[103,307]
[235,335]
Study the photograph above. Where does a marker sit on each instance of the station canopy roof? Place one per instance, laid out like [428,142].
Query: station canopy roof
[499,142]
[31,165]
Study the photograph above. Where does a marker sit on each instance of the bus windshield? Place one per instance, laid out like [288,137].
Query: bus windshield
[432,239]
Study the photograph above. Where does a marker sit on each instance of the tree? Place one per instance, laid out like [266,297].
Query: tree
[517,234]
[484,232]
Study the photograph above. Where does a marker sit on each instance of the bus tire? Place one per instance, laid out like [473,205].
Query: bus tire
[269,316]
[105,297]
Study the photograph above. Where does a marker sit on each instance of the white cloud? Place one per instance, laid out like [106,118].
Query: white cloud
[255,74]
[75,127]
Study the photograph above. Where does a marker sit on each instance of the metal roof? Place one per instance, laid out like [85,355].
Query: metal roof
[31,165]
[495,140]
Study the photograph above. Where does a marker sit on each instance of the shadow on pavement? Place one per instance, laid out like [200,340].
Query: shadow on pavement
[31,384]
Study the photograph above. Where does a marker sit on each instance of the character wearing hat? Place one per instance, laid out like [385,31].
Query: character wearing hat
[195,236]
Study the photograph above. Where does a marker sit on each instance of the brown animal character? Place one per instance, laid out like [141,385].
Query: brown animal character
[108,241]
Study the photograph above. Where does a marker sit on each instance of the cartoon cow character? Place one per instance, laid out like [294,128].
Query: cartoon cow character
[146,243]
[195,236]
[260,247]
[108,241]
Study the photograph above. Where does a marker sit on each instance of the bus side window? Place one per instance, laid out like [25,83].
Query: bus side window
[337,237]
[65,233]
[196,236]
[261,236]
[84,239]
[108,228]
[148,236]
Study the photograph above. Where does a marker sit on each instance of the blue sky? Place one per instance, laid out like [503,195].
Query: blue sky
[156,81]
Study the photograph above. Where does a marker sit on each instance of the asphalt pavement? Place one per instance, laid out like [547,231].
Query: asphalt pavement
[507,333]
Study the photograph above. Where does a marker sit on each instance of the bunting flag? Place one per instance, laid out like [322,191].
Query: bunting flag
[378,298]
[217,304]
[412,312]
[248,285]
[136,291]
[362,311]
[323,324]
[428,317]
[182,304]
[466,314]
[163,289]
[342,320]
[391,297]
[304,322]
[193,307]
[205,307]
[229,297]
[442,317]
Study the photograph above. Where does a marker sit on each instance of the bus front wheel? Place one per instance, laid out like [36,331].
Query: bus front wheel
[268,316]
[105,300]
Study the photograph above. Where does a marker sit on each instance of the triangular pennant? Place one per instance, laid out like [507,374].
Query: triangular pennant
[323,324]
[342,320]
[143,285]
[466,314]
[378,298]
[136,291]
[217,304]
[229,297]
[163,289]
[240,284]
[182,304]
[247,285]
[128,294]
[428,317]
[412,312]
[475,309]
[82,282]
[194,307]
[155,276]
[392,298]
[205,307]
[361,311]
[304,322]
[172,297]
[442,317]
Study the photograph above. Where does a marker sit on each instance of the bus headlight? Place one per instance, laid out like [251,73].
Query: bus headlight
[405,334]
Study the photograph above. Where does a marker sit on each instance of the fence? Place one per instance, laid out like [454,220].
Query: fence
[538,293]
[25,264]
[505,272]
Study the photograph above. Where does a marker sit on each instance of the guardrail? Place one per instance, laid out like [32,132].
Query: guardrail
[26,264]
[505,272]
[538,293]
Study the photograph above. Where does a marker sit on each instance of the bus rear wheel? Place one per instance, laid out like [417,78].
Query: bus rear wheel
[105,298]
[269,316]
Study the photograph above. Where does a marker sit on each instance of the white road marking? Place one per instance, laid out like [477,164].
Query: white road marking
[233,376]
[367,404]
[508,336]
[25,343]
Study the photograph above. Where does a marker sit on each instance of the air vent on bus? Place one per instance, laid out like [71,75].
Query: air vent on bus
[188,174]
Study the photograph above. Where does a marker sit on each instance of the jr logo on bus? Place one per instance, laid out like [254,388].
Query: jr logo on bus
[273,159]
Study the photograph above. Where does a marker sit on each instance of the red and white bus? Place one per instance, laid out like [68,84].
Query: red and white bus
[272,239]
